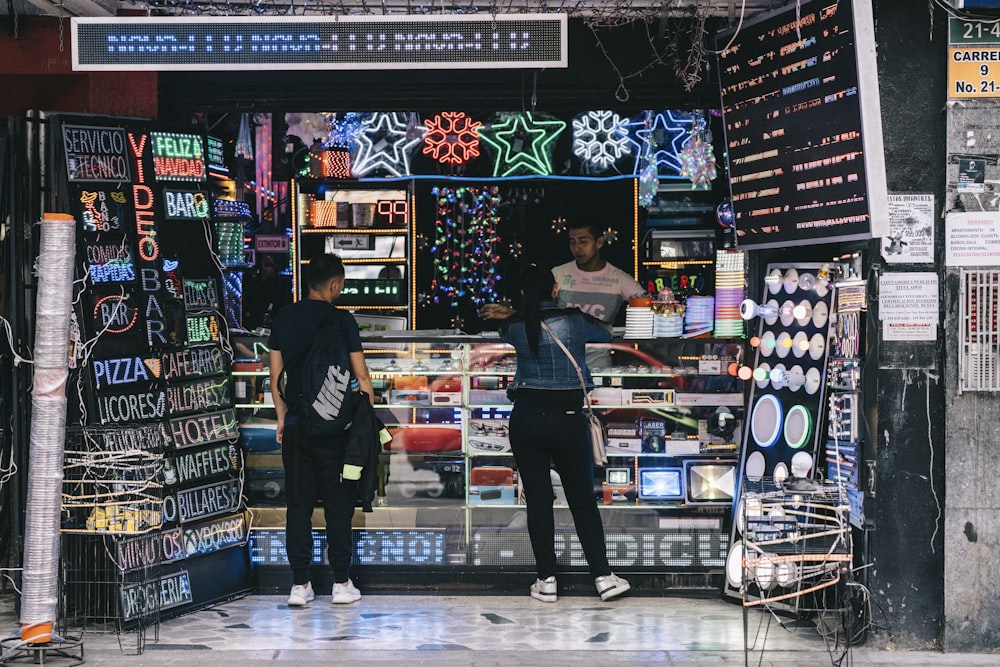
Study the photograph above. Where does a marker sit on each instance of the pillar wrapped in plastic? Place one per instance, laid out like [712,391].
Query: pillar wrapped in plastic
[40,581]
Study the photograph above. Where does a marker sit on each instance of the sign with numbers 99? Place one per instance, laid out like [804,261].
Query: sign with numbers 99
[392,212]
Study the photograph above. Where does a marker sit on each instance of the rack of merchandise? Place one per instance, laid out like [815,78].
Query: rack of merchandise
[449,493]
[368,225]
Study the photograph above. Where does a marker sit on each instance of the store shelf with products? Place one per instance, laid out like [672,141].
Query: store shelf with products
[369,226]
[449,469]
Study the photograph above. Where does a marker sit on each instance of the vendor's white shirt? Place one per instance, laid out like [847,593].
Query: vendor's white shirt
[597,293]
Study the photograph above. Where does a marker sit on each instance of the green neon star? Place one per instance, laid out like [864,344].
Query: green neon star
[522,144]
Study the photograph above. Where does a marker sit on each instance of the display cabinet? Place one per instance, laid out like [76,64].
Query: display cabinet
[449,491]
[369,226]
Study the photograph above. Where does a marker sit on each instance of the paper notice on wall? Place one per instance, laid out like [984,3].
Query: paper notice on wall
[908,306]
[911,230]
[972,239]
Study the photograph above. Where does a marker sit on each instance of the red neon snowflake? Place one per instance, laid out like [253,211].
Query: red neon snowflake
[452,137]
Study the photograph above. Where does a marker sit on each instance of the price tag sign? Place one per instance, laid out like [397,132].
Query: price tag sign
[973,59]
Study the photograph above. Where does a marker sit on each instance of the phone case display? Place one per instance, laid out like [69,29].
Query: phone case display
[673,411]
[152,473]
[787,394]
[368,226]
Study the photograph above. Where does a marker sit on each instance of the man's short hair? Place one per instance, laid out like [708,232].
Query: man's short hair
[589,225]
[320,270]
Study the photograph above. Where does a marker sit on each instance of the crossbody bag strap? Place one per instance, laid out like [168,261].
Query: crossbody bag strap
[572,359]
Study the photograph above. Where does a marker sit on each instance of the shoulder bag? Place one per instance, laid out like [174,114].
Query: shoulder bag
[595,427]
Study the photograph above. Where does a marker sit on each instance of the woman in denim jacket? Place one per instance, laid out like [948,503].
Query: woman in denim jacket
[548,426]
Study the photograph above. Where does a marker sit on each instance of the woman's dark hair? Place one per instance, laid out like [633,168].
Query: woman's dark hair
[320,270]
[536,286]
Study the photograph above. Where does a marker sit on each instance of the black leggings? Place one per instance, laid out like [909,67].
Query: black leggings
[541,434]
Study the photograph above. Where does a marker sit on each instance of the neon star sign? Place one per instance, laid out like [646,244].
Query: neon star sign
[522,143]
[452,137]
[600,138]
[385,142]
[665,133]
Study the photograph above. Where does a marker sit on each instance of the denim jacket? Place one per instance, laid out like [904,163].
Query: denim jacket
[551,369]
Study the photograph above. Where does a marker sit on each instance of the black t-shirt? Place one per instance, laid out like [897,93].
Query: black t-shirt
[297,324]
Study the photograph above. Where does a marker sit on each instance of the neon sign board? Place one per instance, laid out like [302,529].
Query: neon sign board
[102,211]
[202,501]
[113,314]
[145,437]
[200,464]
[176,544]
[110,263]
[177,157]
[200,293]
[489,41]
[202,329]
[95,153]
[124,370]
[185,204]
[151,597]
[199,396]
[122,408]
[194,362]
[204,429]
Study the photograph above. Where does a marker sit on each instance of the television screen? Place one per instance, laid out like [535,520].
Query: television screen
[617,476]
[661,483]
[800,107]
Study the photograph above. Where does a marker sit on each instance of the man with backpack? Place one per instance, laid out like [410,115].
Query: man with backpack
[318,374]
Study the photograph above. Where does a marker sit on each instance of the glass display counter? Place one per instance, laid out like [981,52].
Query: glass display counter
[449,493]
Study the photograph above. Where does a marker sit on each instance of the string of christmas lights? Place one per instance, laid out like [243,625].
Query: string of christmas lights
[466,246]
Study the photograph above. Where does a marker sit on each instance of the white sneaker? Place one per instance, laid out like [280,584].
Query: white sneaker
[611,586]
[301,595]
[544,589]
[345,593]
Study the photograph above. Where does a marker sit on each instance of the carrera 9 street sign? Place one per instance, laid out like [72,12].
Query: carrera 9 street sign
[321,42]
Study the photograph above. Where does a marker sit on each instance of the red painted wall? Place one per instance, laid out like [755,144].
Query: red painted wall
[35,74]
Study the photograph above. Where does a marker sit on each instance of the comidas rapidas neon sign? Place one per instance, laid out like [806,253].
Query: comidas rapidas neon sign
[488,41]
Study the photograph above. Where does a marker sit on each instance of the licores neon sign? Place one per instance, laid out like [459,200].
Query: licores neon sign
[320,42]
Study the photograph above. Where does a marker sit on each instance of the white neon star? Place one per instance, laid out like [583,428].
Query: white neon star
[383,143]
[600,138]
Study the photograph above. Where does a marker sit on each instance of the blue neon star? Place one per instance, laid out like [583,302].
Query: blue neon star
[522,144]
[385,143]
[668,133]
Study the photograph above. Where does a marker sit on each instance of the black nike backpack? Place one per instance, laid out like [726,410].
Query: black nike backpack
[327,393]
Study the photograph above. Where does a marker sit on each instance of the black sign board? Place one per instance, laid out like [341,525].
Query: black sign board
[199,396]
[203,429]
[801,110]
[201,502]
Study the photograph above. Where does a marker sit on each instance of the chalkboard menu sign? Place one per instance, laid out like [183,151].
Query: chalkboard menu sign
[803,127]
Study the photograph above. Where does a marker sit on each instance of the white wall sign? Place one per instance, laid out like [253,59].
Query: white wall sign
[972,239]
[911,230]
[908,306]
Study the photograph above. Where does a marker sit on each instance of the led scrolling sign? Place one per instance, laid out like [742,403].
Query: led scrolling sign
[322,42]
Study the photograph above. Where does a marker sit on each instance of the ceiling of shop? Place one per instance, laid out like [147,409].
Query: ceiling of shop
[613,11]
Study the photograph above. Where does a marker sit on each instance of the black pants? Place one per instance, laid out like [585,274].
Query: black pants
[313,469]
[541,434]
